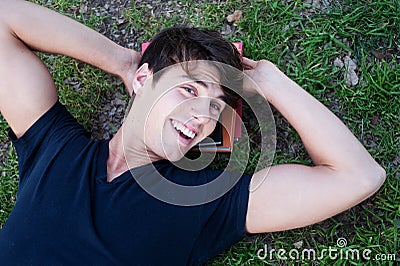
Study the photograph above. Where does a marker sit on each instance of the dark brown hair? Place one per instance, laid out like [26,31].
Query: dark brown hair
[182,44]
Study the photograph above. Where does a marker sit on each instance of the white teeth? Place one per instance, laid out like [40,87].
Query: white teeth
[187,132]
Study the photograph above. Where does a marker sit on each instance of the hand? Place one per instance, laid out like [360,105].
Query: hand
[266,76]
[129,69]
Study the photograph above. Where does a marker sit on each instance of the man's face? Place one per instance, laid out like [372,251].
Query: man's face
[171,115]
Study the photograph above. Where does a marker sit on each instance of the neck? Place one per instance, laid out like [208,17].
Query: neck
[117,163]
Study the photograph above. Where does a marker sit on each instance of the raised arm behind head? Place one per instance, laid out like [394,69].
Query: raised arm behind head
[26,88]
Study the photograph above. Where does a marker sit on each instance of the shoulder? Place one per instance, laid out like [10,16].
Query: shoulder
[55,122]
[47,136]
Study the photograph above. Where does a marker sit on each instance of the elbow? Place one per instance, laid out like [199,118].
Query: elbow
[381,176]
[375,177]
[367,179]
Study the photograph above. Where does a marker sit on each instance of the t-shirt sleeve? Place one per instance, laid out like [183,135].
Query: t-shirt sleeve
[225,221]
[45,138]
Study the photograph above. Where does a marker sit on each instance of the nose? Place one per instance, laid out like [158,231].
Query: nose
[200,111]
[202,119]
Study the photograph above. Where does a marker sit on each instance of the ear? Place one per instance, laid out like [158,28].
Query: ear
[140,77]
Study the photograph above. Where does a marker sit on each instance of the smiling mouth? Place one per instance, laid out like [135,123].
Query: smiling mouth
[183,131]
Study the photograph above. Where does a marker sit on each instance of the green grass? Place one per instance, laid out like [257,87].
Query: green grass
[8,177]
[303,42]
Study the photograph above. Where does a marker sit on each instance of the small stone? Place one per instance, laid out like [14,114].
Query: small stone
[349,63]
[316,4]
[351,66]
[77,85]
[338,63]
[298,244]
[119,102]
[227,30]
[350,70]
[326,3]
[352,78]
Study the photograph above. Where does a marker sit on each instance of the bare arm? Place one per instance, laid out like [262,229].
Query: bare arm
[26,88]
[293,195]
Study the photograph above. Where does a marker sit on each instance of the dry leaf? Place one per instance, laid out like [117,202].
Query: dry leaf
[235,17]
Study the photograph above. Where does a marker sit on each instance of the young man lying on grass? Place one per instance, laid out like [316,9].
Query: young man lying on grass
[78,203]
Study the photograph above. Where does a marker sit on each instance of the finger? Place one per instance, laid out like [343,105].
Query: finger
[248,72]
[248,62]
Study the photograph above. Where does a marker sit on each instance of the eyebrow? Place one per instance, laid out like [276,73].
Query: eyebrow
[204,84]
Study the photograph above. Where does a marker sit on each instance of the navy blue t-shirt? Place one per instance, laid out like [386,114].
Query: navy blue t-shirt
[67,213]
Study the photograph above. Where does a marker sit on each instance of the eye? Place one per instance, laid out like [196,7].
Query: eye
[215,106]
[190,90]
